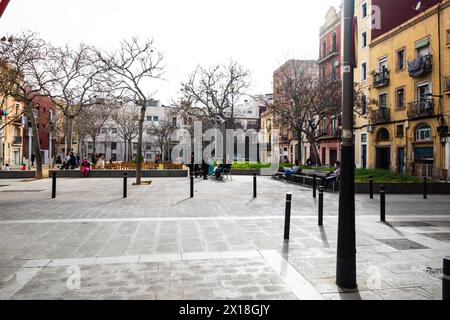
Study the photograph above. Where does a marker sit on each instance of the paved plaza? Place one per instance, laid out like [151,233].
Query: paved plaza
[90,243]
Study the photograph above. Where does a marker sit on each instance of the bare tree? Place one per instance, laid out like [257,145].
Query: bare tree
[93,118]
[212,94]
[162,133]
[134,65]
[127,126]
[23,77]
[77,81]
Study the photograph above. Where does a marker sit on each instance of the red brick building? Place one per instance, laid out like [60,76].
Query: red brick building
[330,69]
[45,114]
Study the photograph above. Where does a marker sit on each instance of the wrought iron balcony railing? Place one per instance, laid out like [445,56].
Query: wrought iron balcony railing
[329,133]
[421,108]
[381,78]
[383,115]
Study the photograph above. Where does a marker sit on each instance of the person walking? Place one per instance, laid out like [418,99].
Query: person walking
[33,158]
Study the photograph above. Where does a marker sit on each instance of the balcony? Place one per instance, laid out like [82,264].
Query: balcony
[17,140]
[421,108]
[381,78]
[420,66]
[383,115]
[329,133]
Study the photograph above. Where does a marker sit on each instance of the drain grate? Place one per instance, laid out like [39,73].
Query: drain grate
[402,244]
[440,236]
[410,224]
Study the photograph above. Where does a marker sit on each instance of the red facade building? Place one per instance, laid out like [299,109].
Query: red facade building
[330,69]
[44,111]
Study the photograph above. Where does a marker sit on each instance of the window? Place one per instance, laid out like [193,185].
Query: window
[324,48]
[174,122]
[383,135]
[383,64]
[115,117]
[400,59]
[448,37]
[113,145]
[114,130]
[324,73]
[363,104]
[135,146]
[423,47]
[364,71]
[364,10]
[423,133]
[399,131]
[364,39]
[104,131]
[423,90]
[383,100]
[364,138]
[400,98]
[333,42]
[155,119]
[90,145]
[149,118]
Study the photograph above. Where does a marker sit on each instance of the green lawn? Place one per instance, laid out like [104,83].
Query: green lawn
[361,175]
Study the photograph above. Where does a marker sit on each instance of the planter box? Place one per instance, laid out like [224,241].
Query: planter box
[119,173]
[17,174]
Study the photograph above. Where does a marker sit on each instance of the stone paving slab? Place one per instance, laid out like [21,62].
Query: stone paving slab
[130,248]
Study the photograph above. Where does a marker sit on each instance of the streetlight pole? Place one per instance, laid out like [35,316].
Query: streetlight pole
[346,246]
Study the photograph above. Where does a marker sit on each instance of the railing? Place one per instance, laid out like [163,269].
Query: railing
[421,108]
[145,166]
[18,140]
[383,115]
[329,133]
[420,66]
[381,78]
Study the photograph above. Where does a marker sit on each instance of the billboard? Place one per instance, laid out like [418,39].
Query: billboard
[3,4]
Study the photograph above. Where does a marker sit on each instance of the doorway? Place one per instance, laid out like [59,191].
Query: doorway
[401,160]
[333,157]
[383,158]
[364,156]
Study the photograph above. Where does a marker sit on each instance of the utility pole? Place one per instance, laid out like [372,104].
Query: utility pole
[346,246]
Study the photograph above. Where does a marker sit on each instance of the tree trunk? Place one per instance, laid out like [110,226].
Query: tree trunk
[69,134]
[299,153]
[36,142]
[130,150]
[312,142]
[94,144]
[139,148]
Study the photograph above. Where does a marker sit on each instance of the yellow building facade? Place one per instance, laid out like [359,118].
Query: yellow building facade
[409,79]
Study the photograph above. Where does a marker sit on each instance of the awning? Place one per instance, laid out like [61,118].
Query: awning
[422,43]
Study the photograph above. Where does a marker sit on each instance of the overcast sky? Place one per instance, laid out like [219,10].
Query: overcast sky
[260,34]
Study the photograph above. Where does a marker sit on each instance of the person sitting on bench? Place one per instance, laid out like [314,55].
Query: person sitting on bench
[333,176]
[294,170]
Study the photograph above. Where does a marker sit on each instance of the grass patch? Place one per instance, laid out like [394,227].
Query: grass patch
[361,175]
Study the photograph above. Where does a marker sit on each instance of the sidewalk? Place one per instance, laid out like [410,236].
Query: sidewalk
[223,244]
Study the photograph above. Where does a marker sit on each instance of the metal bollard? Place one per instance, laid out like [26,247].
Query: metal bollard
[383,203]
[192,186]
[125,185]
[314,186]
[371,187]
[53,184]
[446,279]
[425,188]
[321,189]
[254,186]
[287,220]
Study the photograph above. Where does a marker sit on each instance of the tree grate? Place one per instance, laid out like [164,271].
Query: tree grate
[402,244]
[440,236]
[410,224]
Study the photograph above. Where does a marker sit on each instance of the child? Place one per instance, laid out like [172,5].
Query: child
[24,167]
[85,167]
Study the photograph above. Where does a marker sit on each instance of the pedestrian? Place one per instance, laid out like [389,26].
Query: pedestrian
[24,167]
[85,167]
[100,162]
[333,176]
[33,158]
[73,161]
